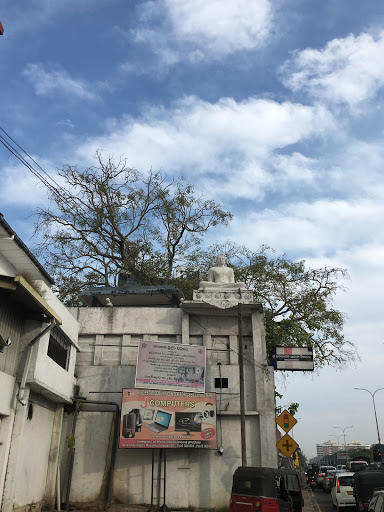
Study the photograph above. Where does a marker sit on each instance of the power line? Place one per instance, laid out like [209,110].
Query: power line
[57,190]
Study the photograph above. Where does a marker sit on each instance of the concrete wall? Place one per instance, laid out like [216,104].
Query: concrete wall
[195,478]
[32,463]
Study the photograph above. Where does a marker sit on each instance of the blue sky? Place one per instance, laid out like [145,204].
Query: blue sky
[273,108]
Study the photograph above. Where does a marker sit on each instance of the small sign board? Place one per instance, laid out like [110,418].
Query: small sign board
[286,421]
[170,366]
[287,445]
[292,358]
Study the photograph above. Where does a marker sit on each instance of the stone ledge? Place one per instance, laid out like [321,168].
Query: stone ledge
[223,298]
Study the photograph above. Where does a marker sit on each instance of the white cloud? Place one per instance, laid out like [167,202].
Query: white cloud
[226,139]
[316,228]
[221,26]
[199,30]
[349,70]
[50,82]
[19,187]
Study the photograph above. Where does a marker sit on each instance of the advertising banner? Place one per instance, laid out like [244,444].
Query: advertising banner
[152,418]
[170,366]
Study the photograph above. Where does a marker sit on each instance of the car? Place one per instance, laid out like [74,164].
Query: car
[327,479]
[377,502]
[342,490]
[341,467]
[320,474]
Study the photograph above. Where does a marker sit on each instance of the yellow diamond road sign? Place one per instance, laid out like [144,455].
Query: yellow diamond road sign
[287,445]
[286,421]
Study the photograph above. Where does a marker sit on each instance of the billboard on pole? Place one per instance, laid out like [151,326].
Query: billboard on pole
[170,366]
[292,358]
[167,419]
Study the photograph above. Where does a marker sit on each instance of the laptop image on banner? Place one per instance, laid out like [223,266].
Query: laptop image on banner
[162,421]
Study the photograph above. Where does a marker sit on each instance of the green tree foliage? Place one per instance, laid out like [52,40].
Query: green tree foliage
[363,453]
[110,219]
[298,301]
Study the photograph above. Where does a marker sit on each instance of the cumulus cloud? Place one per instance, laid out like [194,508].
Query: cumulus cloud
[230,139]
[21,188]
[349,70]
[320,228]
[198,30]
[56,81]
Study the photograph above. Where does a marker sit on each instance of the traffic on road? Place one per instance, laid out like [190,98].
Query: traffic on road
[358,486]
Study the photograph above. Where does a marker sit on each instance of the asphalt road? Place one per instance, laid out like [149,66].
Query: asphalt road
[322,501]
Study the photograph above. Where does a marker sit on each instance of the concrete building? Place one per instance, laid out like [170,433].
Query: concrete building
[54,446]
[38,344]
[106,363]
[330,448]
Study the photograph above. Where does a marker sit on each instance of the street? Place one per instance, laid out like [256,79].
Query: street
[322,501]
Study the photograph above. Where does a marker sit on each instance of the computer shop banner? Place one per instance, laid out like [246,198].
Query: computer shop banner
[170,366]
[154,418]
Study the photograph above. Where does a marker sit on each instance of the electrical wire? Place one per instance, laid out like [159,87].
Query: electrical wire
[57,190]
[63,195]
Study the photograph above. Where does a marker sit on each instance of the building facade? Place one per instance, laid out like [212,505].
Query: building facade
[62,372]
[38,345]
[329,449]
[106,363]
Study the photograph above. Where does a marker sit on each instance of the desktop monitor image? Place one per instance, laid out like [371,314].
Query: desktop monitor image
[188,422]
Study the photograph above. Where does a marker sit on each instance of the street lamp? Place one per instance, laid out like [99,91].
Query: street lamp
[338,445]
[343,430]
[374,408]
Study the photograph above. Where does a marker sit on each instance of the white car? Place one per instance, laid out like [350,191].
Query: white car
[342,490]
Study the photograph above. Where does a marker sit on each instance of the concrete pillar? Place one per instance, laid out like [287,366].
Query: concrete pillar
[10,478]
[126,350]
[265,395]
[234,353]
[50,489]
[6,428]
[185,328]
[98,354]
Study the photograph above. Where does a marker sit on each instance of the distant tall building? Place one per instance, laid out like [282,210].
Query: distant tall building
[329,448]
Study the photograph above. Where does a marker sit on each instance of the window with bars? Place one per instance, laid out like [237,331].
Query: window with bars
[59,348]
[221,382]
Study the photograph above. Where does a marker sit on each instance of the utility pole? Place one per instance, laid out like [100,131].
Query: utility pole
[374,409]
[242,395]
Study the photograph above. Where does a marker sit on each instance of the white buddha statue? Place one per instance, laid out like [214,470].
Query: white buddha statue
[221,277]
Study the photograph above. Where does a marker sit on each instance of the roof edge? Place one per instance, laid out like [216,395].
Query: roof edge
[22,246]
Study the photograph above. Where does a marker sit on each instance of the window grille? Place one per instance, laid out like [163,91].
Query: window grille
[59,348]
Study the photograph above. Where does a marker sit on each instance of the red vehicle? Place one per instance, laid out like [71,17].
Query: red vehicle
[257,489]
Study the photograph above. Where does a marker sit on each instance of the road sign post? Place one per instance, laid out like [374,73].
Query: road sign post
[286,444]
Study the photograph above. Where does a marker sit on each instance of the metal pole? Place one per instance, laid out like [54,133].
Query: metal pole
[343,430]
[160,463]
[377,424]
[242,394]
